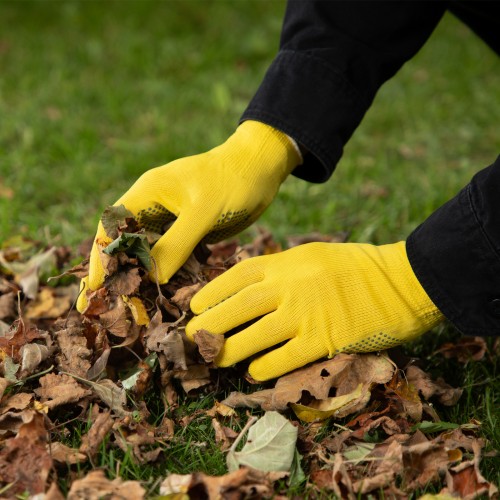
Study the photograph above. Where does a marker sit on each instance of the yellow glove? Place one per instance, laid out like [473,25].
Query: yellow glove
[214,195]
[319,298]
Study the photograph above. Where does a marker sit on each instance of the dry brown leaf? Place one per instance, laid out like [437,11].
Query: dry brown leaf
[465,349]
[20,333]
[74,356]
[170,343]
[95,485]
[183,296]
[61,389]
[102,423]
[24,461]
[407,396]
[466,481]
[18,401]
[194,377]
[208,344]
[446,394]
[124,282]
[31,356]
[64,454]
[423,463]
[343,372]
[384,470]
[222,410]
[115,319]
[242,483]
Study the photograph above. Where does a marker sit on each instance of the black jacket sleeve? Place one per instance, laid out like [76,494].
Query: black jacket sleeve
[455,255]
[333,58]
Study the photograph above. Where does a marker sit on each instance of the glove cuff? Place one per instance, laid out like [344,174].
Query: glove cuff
[275,154]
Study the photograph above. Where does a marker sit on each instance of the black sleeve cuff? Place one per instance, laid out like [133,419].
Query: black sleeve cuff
[286,101]
[455,254]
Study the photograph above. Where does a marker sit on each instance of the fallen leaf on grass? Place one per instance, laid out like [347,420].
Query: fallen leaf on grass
[56,390]
[338,406]
[344,372]
[270,445]
[64,454]
[102,423]
[422,381]
[242,483]
[465,349]
[95,485]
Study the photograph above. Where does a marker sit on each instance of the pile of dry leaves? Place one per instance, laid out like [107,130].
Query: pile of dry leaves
[101,368]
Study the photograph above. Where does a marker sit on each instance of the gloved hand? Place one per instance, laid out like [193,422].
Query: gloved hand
[213,195]
[318,298]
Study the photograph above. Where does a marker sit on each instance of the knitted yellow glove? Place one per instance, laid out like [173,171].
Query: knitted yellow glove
[321,298]
[213,195]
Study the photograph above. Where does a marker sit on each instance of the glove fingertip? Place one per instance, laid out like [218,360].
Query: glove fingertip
[81,301]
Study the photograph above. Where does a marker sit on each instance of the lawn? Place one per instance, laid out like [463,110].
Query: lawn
[92,94]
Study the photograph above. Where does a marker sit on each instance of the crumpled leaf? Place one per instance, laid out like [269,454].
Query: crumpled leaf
[465,349]
[209,344]
[32,355]
[343,372]
[102,423]
[338,406]
[115,319]
[60,389]
[242,483]
[63,454]
[96,485]
[125,282]
[270,445]
[446,394]
[133,377]
[183,296]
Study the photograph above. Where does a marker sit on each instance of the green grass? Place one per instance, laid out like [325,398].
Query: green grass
[92,94]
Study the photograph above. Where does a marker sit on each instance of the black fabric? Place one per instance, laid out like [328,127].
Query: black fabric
[333,58]
[455,254]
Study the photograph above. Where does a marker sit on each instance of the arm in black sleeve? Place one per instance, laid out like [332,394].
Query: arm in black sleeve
[333,58]
[455,255]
